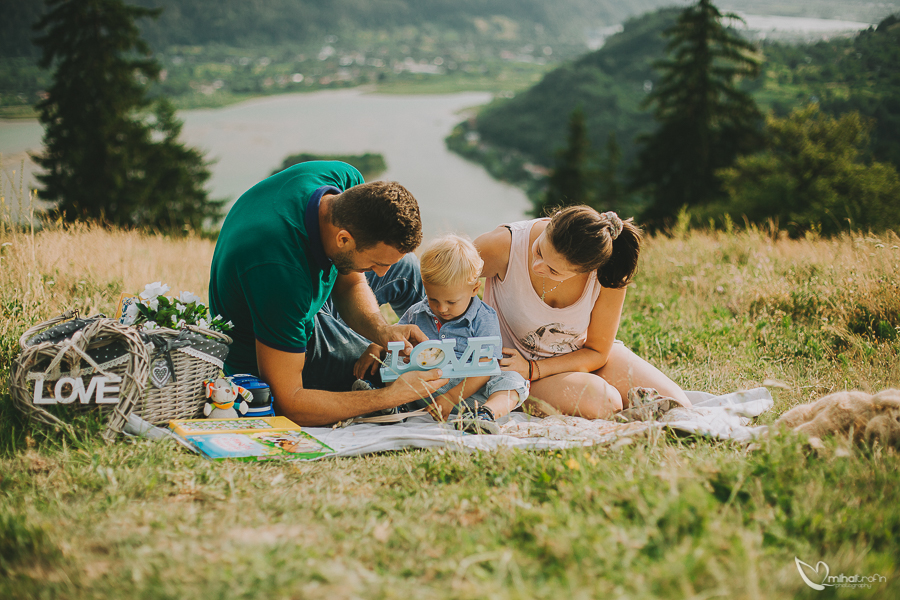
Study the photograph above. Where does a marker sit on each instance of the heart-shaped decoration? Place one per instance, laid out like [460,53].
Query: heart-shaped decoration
[159,373]
[820,585]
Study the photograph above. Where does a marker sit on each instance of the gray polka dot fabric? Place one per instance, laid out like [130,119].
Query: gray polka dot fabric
[200,347]
[62,331]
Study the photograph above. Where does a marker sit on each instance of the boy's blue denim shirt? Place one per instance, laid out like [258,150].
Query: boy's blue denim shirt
[479,320]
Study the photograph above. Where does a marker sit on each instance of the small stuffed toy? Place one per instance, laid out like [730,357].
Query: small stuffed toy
[223,394]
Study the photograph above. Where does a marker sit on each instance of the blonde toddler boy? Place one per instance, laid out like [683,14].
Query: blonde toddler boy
[450,268]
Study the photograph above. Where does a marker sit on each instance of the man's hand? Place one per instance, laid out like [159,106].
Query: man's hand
[283,371]
[418,385]
[410,335]
[369,362]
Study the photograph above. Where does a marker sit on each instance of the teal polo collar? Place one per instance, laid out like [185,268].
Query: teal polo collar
[312,226]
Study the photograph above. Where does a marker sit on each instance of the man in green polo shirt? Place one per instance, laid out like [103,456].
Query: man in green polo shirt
[294,269]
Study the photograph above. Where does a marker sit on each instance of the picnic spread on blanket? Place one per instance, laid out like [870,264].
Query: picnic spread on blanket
[522,320]
[472,358]
[101,344]
[725,417]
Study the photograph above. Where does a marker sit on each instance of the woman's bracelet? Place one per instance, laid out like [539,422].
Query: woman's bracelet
[530,370]
[537,366]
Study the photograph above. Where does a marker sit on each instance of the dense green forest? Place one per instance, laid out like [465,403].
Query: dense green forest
[216,52]
[268,22]
[861,74]
[608,84]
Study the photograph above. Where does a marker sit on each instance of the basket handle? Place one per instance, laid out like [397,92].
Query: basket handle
[69,314]
[210,333]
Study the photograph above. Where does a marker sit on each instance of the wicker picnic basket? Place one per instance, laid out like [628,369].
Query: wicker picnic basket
[161,371]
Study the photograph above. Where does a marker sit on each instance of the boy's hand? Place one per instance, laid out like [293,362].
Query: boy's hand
[369,362]
[440,411]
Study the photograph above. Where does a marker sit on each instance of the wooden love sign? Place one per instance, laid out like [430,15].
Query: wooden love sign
[103,388]
[441,354]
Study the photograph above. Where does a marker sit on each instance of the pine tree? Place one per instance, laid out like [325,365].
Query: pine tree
[610,194]
[110,155]
[173,196]
[571,181]
[705,120]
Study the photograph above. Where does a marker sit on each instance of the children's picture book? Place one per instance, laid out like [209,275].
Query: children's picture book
[250,439]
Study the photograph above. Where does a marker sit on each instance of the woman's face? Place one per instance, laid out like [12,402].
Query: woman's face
[547,262]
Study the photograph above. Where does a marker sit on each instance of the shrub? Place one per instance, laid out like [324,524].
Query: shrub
[812,176]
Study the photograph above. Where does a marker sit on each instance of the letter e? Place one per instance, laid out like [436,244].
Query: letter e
[103,389]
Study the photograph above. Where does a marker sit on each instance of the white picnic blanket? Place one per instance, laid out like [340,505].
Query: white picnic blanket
[721,417]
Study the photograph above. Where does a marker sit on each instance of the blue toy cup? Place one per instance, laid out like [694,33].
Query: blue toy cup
[262,404]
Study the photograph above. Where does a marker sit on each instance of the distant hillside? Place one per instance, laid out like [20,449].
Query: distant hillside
[609,84]
[237,22]
[213,52]
[216,52]
[271,22]
[861,73]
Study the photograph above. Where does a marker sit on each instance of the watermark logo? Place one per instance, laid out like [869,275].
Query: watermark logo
[810,582]
[820,577]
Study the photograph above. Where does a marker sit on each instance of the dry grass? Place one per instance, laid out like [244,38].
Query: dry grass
[86,267]
[733,310]
[660,518]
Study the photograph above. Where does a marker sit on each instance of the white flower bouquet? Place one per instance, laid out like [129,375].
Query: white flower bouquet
[152,309]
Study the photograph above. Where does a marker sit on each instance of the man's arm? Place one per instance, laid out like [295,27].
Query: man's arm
[356,303]
[358,308]
[283,371]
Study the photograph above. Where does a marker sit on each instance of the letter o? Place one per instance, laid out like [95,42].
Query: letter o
[416,364]
[73,383]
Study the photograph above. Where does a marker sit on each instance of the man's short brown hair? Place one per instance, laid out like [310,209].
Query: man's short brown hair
[380,211]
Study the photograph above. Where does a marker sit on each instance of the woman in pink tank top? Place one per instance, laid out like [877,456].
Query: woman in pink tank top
[558,286]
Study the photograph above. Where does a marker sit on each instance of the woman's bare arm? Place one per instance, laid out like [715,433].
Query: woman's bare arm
[494,247]
[605,318]
[601,335]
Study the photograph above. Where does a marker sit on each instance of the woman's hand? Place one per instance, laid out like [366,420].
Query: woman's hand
[369,362]
[515,362]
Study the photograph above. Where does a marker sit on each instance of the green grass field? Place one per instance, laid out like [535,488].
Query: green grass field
[661,517]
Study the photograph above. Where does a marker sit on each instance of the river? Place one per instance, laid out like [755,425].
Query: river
[250,139]
[801,25]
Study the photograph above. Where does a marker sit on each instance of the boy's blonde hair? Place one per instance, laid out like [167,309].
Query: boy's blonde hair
[451,260]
